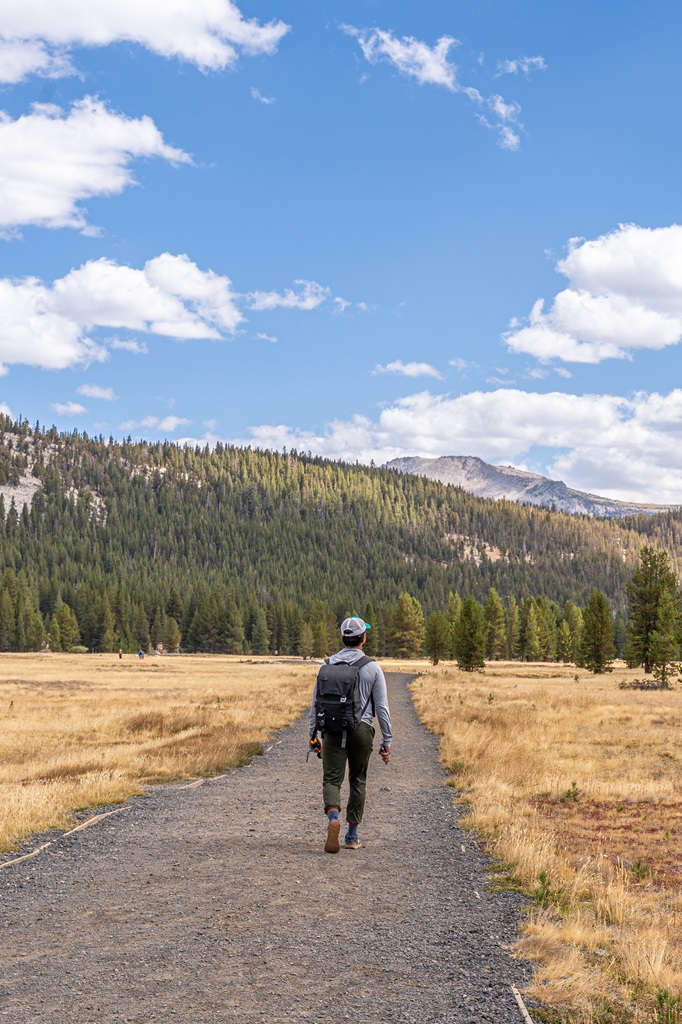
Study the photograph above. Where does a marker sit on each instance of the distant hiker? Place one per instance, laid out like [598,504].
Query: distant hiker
[120,654]
[140,654]
[349,690]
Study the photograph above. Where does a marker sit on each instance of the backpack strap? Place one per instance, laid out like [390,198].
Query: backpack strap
[360,663]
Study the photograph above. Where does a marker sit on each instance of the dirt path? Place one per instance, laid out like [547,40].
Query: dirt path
[218,904]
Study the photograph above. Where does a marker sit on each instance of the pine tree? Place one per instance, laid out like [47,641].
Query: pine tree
[67,628]
[305,641]
[650,580]
[20,624]
[320,638]
[157,630]
[496,641]
[55,637]
[407,633]
[141,627]
[453,610]
[547,629]
[171,636]
[234,628]
[372,642]
[6,621]
[260,637]
[437,638]
[573,617]
[564,652]
[470,636]
[513,629]
[665,645]
[107,635]
[597,636]
[530,633]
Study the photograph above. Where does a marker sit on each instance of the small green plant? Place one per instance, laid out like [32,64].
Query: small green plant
[666,836]
[544,894]
[668,1010]
[620,807]
[572,793]
[491,698]
[640,870]
[11,705]
[576,678]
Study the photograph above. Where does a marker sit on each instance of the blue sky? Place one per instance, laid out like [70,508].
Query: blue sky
[329,226]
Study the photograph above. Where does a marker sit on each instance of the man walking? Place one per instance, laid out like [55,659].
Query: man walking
[346,727]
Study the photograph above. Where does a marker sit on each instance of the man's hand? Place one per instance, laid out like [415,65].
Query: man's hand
[385,753]
[315,746]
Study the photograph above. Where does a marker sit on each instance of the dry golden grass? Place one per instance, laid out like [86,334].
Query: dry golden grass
[82,730]
[582,781]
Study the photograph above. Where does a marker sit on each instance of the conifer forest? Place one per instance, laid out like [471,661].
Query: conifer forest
[225,549]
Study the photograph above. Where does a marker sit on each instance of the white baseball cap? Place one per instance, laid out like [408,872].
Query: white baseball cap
[354,626]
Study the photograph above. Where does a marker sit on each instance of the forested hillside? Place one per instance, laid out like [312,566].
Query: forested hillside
[132,535]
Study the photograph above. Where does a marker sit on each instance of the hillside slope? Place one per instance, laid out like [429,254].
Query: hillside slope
[127,533]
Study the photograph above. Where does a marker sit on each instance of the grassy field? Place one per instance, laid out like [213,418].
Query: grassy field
[575,784]
[82,730]
[577,787]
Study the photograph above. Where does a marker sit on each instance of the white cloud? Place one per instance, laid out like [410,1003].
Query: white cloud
[561,371]
[502,109]
[6,411]
[90,149]
[410,56]
[462,364]
[429,65]
[34,334]
[68,408]
[408,369]
[267,337]
[20,58]
[310,296]
[341,305]
[137,348]
[208,33]
[96,391]
[522,64]
[508,138]
[256,94]
[168,424]
[49,325]
[615,446]
[624,294]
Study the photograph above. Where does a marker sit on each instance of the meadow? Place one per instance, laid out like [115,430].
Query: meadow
[575,786]
[77,731]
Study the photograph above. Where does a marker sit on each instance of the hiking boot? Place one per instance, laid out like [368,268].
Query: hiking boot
[352,843]
[333,829]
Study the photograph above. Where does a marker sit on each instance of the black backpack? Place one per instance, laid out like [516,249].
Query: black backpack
[337,701]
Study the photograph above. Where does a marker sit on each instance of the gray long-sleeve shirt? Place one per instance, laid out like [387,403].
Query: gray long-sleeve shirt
[372,682]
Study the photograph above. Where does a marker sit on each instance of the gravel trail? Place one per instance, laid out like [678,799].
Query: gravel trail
[217,903]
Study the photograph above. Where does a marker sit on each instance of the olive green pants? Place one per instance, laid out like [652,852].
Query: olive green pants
[356,754]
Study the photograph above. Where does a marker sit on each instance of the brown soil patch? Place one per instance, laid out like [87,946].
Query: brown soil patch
[644,836]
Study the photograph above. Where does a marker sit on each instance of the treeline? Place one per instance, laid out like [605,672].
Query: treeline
[235,549]
[216,621]
[533,630]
